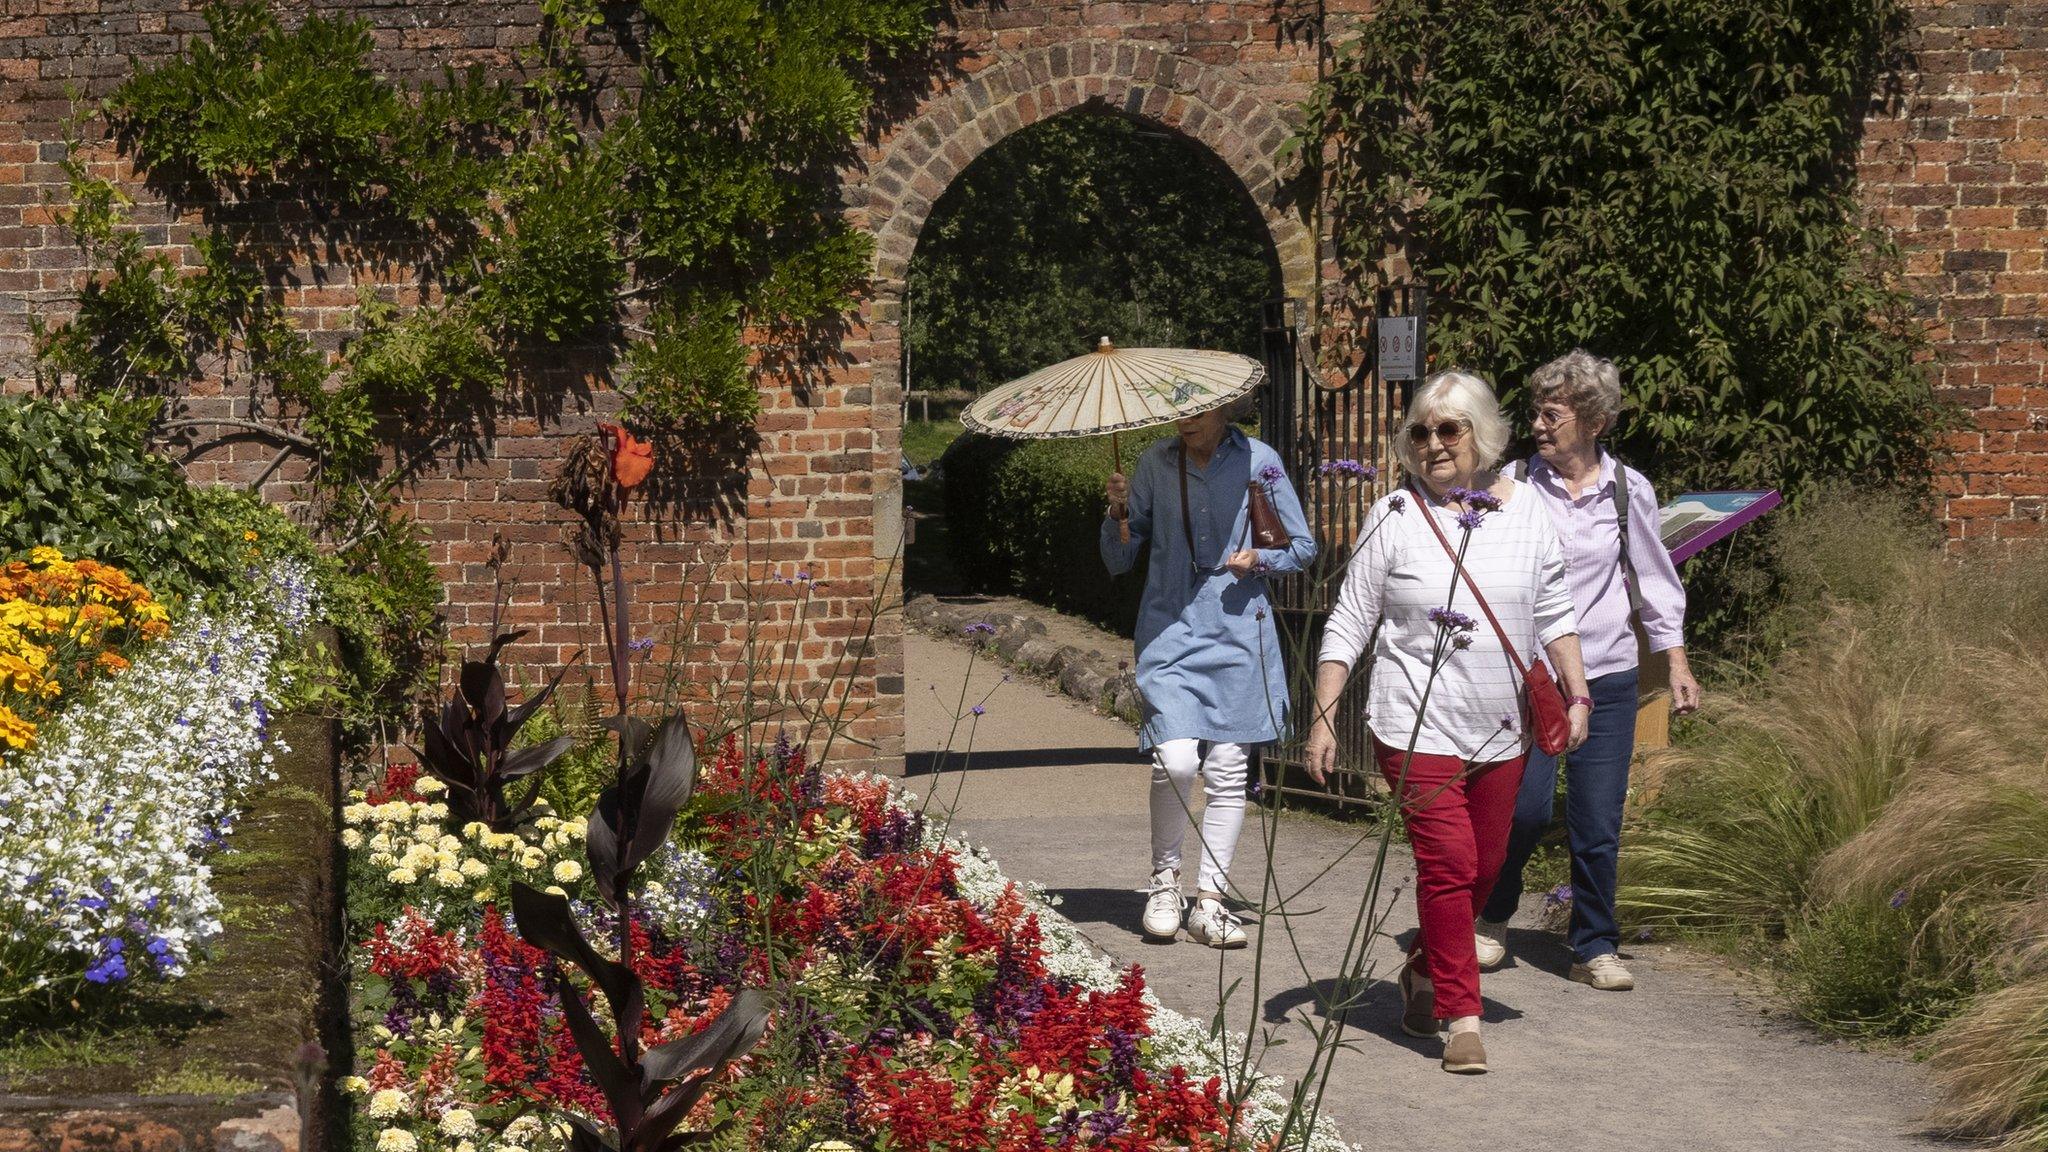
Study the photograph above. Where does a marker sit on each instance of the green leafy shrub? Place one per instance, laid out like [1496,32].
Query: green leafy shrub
[78,475]
[1024,518]
[1866,968]
[1671,186]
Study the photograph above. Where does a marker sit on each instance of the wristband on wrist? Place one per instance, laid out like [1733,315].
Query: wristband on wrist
[1586,700]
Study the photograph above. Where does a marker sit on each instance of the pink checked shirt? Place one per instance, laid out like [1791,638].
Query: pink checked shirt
[1587,531]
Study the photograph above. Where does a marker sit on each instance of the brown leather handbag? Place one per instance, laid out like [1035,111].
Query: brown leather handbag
[1267,531]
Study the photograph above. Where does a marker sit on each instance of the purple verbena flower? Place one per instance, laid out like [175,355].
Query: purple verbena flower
[1470,518]
[1558,897]
[1453,619]
[1396,502]
[1898,899]
[1461,641]
[1481,500]
[643,645]
[979,628]
[1351,468]
[1272,474]
[977,710]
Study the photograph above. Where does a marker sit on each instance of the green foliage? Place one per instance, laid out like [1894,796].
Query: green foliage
[555,267]
[1669,184]
[1079,227]
[1860,967]
[419,356]
[710,195]
[78,476]
[1024,518]
[75,476]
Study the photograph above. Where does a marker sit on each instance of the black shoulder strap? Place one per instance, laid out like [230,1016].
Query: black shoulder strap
[1628,567]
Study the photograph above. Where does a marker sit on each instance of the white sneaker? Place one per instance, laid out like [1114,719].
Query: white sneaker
[1210,923]
[1490,940]
[1164,906]
[1604,972]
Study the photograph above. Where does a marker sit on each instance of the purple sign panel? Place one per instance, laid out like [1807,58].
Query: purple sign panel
[1694,520]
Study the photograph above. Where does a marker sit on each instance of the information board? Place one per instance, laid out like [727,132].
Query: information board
[1694,520]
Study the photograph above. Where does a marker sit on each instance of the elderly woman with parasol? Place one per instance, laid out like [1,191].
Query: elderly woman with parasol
[1215,512]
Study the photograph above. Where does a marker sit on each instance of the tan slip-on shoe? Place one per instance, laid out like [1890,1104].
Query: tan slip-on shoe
[1464,1054]
[1605,973]
[1418,1002]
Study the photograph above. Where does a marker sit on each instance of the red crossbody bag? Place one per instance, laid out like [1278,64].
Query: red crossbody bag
[1547,715]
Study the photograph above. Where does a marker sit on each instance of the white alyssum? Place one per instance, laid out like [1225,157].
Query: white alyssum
[106,822]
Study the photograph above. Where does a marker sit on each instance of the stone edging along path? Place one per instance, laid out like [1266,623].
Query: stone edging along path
[1022,640]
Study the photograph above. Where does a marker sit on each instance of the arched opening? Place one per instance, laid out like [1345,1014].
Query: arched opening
[1087,224]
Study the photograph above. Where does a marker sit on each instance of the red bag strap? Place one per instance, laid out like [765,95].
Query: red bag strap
[1505,643]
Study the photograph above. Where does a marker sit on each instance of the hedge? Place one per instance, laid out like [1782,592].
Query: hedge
[1023,519]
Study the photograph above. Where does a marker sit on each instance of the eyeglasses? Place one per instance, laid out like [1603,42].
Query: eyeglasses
[1553,417]
[1449,432]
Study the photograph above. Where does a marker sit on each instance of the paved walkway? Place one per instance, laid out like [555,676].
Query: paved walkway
[1690,1060]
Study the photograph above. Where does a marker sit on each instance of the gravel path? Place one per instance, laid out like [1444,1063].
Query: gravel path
[1693,1059]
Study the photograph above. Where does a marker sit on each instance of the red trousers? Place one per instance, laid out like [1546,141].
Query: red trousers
[1458,818]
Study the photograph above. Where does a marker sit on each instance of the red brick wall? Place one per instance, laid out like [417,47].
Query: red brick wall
[1958,172]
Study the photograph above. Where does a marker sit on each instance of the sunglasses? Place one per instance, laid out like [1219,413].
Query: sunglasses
[1448,433]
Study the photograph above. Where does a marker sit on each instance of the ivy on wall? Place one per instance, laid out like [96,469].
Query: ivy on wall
[1669,183]
[666,236]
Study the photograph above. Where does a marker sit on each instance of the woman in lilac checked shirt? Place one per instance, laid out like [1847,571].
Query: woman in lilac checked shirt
[1576,399]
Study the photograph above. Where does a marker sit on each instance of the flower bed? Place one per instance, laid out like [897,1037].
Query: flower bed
[922,1000]
[107,817]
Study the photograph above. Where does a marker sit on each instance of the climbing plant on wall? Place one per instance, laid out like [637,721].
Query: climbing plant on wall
[666,239]
[1670,183]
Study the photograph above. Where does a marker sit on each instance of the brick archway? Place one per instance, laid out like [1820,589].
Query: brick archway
[920,161]
[905,174]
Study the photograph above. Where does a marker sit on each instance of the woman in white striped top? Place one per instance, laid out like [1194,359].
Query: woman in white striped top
[1446,705]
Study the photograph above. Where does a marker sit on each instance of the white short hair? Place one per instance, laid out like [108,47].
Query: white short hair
[1455,395]
[1587,384]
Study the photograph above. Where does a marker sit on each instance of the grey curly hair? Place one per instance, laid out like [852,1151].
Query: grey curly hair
[1587,384]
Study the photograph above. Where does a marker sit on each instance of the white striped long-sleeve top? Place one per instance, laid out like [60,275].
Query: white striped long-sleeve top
[1398,573]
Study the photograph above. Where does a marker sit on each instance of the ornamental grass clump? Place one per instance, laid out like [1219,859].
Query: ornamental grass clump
[1868,821]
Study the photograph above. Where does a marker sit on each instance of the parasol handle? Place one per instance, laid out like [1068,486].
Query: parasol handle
[1116,456]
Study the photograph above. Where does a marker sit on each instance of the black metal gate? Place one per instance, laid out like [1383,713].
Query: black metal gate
[1309,425]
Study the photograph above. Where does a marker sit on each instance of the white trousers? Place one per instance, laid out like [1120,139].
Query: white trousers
[1174,764]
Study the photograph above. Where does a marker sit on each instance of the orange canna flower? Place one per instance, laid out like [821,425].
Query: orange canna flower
[632,459]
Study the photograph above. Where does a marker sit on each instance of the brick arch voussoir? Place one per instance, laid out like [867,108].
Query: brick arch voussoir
[1198,100]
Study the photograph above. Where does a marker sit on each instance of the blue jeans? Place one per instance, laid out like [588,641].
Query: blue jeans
[1596,784]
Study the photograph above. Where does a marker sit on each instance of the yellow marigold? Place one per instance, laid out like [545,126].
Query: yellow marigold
[45,556]
[14,731]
